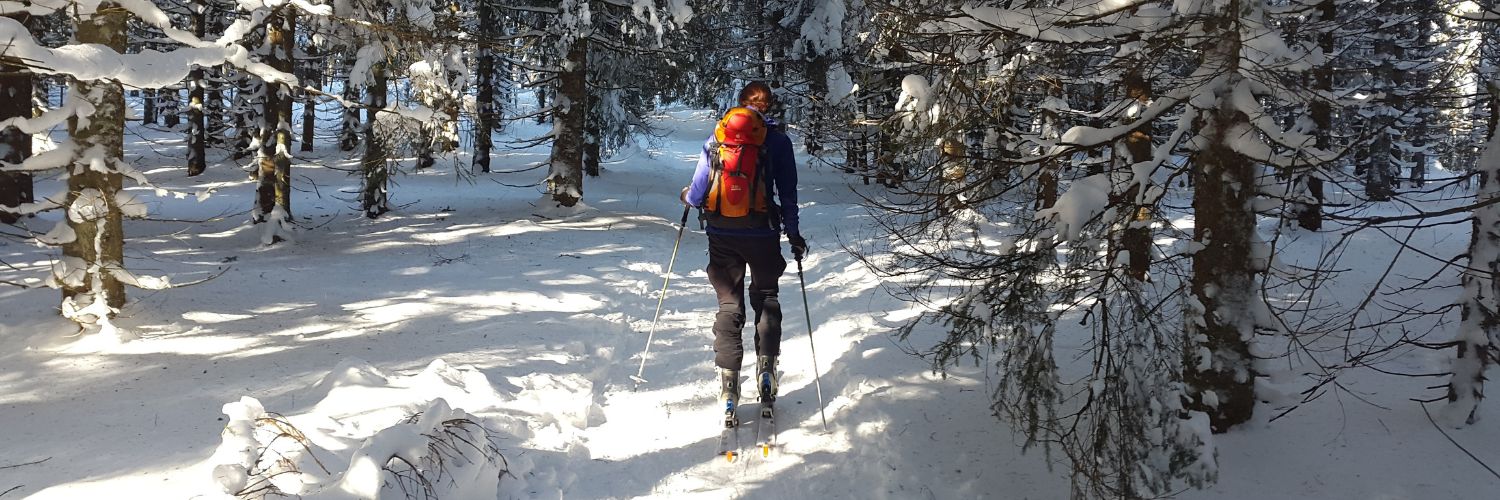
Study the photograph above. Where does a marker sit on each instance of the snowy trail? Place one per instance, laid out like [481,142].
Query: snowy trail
[552,306]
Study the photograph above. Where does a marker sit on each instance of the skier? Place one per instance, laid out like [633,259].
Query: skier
[747,164]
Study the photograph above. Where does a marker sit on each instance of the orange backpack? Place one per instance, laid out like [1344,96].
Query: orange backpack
[736,197]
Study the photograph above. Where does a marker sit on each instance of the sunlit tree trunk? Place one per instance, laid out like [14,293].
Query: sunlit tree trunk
[1479,326]
[274,190]
[565,177]
[1137,235]
[197,135]
[96,252]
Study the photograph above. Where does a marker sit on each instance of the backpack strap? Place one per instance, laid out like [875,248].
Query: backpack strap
[715,168]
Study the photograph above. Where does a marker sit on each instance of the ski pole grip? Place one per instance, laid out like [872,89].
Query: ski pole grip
[685,210]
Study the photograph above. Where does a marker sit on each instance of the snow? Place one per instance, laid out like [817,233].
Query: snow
[530,319]
[822,32]
[840,84]
[1084,200]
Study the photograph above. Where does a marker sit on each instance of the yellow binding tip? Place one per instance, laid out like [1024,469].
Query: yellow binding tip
[729,455]
[765,450]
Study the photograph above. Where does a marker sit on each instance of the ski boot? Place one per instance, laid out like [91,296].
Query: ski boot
[729,393]
[766,381]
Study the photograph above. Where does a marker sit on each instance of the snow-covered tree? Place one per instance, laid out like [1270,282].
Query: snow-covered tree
[1078,121]
[568,32]
[1477,343]
[197,133]
[92,272]
[273,193]
[16,187]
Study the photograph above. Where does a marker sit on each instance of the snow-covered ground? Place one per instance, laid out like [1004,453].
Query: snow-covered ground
[538,316]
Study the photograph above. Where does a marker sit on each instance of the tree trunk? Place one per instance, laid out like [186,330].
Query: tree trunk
[314,77]
[349,128]
[1479,326]
[1310,212]
[484,125]
[213,108]
[1380,175]
[1219,370]
[274,189]
[1051,130]
[1137,235]
[818,108]
[197,159]
[565,176]
[591,137]
[374,199]
[166,103]
[249,95]
[148,107]
[309,121]
[15,145]
[97,250]
[541,103]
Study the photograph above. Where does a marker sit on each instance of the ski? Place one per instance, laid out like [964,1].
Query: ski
[729,438]
[765,429]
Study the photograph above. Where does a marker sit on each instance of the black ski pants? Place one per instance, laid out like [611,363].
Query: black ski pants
[728,256]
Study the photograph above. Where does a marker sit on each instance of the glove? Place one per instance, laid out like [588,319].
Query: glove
[799,245]
[683,196]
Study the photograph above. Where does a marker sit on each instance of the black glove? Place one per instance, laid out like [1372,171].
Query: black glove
[799,245]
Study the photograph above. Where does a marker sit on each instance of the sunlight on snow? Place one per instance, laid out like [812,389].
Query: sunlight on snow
[213,317]
[498,303]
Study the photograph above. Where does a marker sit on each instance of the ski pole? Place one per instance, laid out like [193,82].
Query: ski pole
[665,280]
[817,378]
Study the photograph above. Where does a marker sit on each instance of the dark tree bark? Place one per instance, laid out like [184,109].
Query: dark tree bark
[541,102]
[15,145]
[314,77]
[1310,214]
[167,104]
[426,134]
[1047,181]
[251,94]
[197,136]
[1137,236]
[213,107]
[274,190]
[817,120]
[374,199]
[1218,368]
[591,137]
[148,106]
[1380,176]
[484,126]
[349,128]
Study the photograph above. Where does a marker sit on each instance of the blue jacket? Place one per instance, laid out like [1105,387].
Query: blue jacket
[781,183]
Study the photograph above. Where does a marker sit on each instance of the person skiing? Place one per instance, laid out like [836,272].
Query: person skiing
[747,164]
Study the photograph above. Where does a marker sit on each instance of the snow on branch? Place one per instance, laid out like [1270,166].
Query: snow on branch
[350,446]
[1075,22]
[147,69]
